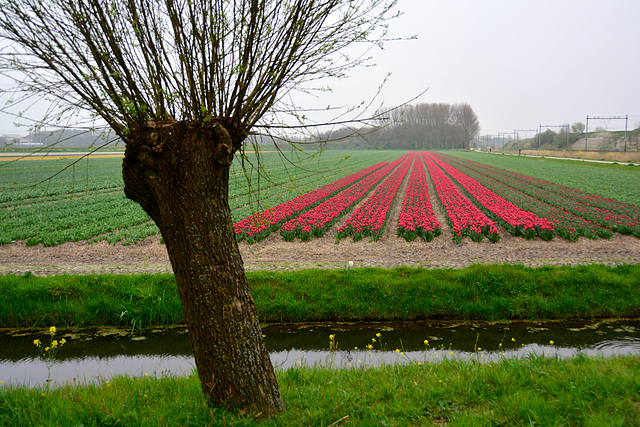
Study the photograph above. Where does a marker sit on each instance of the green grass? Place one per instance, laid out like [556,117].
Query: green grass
[536,390]
[481,292]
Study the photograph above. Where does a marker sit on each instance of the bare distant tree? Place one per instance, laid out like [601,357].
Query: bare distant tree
[577,127]
[426,126]
[468,121]
[183,83]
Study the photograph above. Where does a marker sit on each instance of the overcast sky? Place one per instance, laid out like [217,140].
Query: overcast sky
[518,63]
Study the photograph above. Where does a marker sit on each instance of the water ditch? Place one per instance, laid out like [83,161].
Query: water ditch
[99,354]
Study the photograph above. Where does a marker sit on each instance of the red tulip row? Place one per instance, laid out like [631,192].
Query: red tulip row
[567,225]
[616,216]
[316,221]
[259,225]
[511,217]
[416,216]
[571,218]
[463,216]
[370,217]
[624,209]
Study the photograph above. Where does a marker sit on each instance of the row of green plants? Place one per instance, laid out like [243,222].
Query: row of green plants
[37,181]
[86,201]
[483,292]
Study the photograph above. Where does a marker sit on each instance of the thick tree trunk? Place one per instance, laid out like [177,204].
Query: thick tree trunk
[179,173]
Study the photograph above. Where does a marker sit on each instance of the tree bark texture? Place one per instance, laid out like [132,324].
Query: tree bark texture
[179,173]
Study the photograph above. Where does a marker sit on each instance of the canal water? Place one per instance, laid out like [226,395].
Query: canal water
[98,354]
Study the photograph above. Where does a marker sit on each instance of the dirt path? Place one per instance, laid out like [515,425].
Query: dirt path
[273,253]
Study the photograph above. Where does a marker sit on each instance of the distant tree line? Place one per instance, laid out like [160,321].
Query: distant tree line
[412,127]
[427,126]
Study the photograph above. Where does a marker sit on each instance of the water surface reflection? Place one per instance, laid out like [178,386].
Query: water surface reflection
[101,353]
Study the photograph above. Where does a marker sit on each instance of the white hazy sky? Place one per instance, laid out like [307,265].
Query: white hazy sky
[518,63]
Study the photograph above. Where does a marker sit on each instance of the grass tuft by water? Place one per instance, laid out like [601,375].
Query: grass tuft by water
[534,390]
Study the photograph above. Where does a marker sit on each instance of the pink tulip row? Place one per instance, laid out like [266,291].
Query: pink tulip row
[316,221]
[370,217]
[416,216]
[259,225]
[511,217]
[572,217]
[610,205]
[609,214]
[566,224]
[464,217]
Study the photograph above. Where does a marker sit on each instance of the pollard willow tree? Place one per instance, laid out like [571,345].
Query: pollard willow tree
[183,83]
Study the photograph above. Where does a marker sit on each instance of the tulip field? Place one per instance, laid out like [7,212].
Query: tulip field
[358,195]
[479,202]
[417,218]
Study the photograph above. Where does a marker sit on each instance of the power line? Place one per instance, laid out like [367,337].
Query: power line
[626,121]
[551,126]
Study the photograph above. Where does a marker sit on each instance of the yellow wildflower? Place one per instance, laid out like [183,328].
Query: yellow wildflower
[37,343]
[551,342]
[52,330]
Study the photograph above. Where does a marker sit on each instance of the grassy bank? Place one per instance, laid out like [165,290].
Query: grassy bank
[497,292]
[532,391]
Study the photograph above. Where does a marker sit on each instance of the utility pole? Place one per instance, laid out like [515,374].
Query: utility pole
[586,134]
[501,136]
[625,118]
[515,132]
[626,121]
